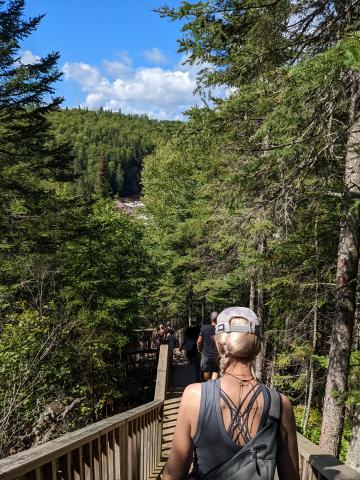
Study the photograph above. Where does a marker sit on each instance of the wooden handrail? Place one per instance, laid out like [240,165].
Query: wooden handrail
[126,446]
[317,464]
[162,375]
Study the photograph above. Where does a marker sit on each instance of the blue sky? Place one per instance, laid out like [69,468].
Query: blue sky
[117,54]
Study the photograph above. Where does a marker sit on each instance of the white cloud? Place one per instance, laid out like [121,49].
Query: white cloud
[155,55]
[117,69]
[28,58]
[158,92]
[120,67]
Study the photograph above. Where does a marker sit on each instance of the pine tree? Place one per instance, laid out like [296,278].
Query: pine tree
[32,164]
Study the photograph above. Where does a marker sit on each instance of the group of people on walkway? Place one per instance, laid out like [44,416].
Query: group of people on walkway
[164,333]
[231,426]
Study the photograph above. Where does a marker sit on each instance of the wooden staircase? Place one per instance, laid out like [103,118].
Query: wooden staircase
[182,374]
[171,410]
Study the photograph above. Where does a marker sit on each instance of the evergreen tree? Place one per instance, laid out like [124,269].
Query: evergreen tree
[32,164]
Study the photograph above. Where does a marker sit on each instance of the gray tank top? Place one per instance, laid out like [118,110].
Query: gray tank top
[212,443]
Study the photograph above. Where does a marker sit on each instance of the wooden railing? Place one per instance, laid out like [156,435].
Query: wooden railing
[122,447]
[316,464]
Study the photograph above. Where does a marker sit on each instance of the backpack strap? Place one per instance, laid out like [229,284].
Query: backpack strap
[275,405]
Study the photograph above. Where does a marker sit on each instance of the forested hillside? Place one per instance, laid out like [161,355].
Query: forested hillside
[109,144]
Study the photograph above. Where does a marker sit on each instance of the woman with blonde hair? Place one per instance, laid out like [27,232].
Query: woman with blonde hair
[234,427]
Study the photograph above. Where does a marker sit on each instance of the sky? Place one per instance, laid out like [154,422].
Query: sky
[117,54]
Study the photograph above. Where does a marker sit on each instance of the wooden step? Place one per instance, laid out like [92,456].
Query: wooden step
[170,401]
[172,406]
[171,411]
[167,438]
[169,424]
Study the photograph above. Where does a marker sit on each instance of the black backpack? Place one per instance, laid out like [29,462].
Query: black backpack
[256,459]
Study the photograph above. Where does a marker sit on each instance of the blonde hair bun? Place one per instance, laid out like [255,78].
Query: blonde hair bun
[236,344]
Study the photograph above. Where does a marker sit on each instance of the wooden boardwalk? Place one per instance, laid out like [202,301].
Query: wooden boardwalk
[136,444]
[182,374]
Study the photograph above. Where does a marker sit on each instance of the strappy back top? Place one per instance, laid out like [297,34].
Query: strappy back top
[213,443]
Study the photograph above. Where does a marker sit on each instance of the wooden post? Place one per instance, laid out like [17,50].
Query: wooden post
[111,455]
[117,447]
[104,456]
[124,455]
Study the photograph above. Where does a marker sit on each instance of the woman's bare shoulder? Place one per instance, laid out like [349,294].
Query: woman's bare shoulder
[286,404]
[191,391]
[190,399]
[287,415]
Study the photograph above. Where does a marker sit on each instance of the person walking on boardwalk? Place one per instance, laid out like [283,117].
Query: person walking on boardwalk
[209,354]
[234,427]
[190,344]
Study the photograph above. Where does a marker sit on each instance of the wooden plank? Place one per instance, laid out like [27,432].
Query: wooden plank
[159,433]
[162,373]
[87,461]
[168,437]
[171,411]
[69,465]
[146,445]
[134,445]
[39,474]
[169,425]
[117,447]
[142,449]
[76,465]
[152,443]
[54,469]
[104,456]
[170,418]
[111,455]
[170,401]
[96,456]
[129,453]
[81,464]
[124,452]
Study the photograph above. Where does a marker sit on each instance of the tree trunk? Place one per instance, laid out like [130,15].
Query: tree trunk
[261,313]
[346,281]
[252,293]
[272,369]
[189,305]
[315,329]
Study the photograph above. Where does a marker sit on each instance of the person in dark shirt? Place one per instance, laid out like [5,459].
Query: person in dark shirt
[209,354]
[190,338]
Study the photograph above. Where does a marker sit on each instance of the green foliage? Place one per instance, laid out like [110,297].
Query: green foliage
[314,428]
[314,424]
